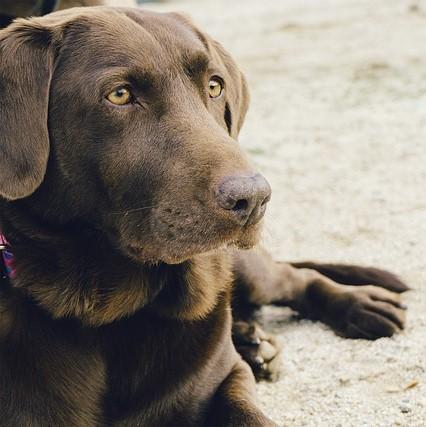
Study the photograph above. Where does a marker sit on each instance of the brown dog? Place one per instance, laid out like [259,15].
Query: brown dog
[123,191]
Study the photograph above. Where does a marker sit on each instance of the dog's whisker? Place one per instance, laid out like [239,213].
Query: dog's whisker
[127,211]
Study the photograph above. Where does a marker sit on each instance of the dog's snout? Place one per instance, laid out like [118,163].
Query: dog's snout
[245,197]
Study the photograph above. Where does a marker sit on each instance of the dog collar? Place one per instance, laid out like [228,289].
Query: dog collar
[6,259]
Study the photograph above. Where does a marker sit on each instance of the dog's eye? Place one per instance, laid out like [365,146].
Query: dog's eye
[215,87]
[120,96]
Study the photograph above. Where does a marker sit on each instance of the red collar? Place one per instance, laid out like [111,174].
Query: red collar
[6,259]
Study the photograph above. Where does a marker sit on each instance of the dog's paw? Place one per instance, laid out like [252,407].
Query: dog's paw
[367,312]
[258,349]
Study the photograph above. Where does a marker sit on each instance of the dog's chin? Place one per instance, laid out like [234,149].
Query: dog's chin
[144,256]
[168,253]
[248,238]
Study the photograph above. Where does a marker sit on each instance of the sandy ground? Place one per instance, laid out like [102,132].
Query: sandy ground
[337,123]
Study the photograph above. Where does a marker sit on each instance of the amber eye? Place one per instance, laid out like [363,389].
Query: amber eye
[215,87]
[120,96]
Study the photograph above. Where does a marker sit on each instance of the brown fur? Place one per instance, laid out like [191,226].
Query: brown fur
[120,313]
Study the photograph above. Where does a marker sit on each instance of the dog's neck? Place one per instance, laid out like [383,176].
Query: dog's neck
[77,272]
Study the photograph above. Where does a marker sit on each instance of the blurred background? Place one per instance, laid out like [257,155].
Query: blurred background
[338,125]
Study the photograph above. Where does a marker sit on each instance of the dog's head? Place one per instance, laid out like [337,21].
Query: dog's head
[128,120]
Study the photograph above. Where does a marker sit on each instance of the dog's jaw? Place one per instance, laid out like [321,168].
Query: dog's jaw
[169,252]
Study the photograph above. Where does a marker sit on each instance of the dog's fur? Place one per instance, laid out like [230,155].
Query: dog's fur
[120,312]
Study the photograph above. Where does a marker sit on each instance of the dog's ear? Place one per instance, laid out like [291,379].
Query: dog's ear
[26,63]
[236,91]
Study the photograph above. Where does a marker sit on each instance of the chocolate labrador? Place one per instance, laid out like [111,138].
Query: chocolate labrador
[130,210]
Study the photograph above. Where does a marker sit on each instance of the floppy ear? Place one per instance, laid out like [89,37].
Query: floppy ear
[237,93]
[26,63]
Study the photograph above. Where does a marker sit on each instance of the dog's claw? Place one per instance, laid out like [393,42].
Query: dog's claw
[255,342]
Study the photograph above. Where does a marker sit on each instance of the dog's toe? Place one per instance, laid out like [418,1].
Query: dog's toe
[371,313]
[258,349]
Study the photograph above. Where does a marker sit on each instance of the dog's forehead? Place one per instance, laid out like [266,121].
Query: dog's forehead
[132,34]
[166,27]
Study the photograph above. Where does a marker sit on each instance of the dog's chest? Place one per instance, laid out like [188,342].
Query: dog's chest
[162,363]
[162,369]
[137,372]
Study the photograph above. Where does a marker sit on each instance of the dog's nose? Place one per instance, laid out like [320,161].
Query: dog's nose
[245,197]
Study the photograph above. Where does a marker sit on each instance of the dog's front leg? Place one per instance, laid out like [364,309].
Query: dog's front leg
[234,404]
[363,311]
[354,311]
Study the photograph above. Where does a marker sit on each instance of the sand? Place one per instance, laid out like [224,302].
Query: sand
[338,125]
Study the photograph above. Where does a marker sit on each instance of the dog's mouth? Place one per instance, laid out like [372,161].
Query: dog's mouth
[175,233]
[181,250]
[185,222]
